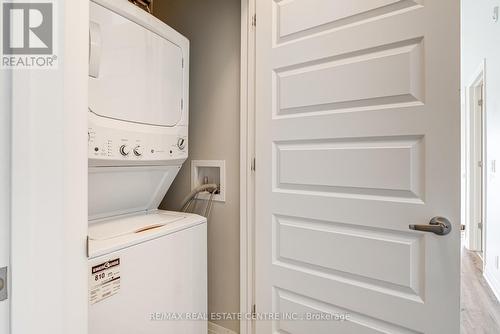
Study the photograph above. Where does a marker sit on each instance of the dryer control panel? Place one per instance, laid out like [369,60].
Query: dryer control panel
[114,142]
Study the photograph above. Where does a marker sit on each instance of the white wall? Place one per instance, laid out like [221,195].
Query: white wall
[49,185]
[213,28]
[5,113]
[481,40]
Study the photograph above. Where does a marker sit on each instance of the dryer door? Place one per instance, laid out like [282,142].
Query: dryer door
[135,74]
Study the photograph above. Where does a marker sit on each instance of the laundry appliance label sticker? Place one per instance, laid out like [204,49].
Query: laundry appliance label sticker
[104,280]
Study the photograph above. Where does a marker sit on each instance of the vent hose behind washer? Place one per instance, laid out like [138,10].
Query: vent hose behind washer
[189,199]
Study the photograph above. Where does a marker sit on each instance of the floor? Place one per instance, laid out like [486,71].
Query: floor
[480,309]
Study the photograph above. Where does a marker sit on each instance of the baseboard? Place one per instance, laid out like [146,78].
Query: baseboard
[216,329]
[492,282]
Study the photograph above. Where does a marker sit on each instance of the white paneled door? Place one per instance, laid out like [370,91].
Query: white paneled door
[358,121]
[4,197]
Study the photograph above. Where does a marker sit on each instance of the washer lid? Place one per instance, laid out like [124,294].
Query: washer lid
[136,75]
[113,234]
[130,225]
[117,191]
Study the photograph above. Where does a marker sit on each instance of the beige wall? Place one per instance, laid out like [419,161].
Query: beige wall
[213,28]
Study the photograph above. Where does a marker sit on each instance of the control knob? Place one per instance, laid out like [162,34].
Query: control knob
[124,150]
[138,151]
[181,143]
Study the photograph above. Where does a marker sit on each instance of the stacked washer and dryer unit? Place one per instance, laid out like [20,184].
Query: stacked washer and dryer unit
[147,267]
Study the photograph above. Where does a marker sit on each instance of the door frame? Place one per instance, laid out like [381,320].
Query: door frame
[247,164]
[49,284]
[5,197]
[472,228]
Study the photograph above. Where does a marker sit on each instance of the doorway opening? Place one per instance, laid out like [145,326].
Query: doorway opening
[480,306]
[480,274]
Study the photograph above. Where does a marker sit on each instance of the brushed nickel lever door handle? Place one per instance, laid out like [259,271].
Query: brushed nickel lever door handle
[437,225]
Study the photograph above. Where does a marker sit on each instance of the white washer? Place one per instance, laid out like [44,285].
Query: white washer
[146,272]
[147,267]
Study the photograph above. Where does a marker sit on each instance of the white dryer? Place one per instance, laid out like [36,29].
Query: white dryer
[147,267]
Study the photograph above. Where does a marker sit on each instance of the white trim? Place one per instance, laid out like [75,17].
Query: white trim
[471,225]
[5,193]
[247,154]
[485,162]
[493,283]
[216,329]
